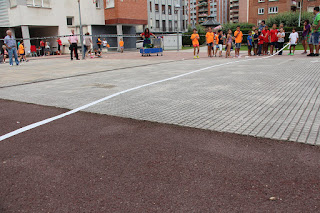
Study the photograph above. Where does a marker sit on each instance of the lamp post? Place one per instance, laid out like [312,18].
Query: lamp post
[177,8]
[301,3]
[81,32]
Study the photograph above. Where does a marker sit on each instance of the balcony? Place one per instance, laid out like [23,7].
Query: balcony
[203,15]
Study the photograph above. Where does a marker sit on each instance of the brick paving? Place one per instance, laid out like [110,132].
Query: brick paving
[273,98]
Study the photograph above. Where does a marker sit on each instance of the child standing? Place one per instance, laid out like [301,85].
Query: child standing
[266,34]
[229,43]
[209,39]
[273,38]
[281,36]
[121,44]
[293,40]
[195,42]
[59,46]
[220,44]
[249,41]
[255,42]
[22,52]
[238,39]
[99,42]
[104,43]
[261,44]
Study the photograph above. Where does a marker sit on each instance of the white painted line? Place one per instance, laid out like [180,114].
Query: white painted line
[40,123]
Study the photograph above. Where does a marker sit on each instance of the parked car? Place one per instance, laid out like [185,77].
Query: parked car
[139,44]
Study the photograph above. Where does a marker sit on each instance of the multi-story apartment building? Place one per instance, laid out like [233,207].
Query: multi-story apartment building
[199,10]
[223,11]
[167,15]
[262,9]
[44,18]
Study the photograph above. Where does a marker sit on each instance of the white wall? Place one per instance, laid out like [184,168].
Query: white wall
[57,15]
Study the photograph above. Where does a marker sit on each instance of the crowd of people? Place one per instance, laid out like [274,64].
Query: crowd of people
[260,41]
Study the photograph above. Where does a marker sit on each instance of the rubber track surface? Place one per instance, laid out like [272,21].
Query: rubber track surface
[97,163]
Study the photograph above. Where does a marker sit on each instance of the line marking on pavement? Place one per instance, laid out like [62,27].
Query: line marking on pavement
[48,120]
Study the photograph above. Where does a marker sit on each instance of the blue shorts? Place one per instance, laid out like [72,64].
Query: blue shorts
[238,45]
[210,44]
[314,38]
[273,43]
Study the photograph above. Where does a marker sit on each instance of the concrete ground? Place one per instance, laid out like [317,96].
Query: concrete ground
[214,138]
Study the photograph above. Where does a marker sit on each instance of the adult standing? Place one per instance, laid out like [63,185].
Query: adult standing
[314,39]
[73,41]
[87,43]
[146,36]
[10,43]
[262,25]
[305,35]
[42,47]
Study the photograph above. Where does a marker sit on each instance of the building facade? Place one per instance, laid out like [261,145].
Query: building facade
[167,16]
[262,9]
[223,11]
[199,10]
[47,18]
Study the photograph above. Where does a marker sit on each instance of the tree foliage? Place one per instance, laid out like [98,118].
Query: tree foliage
[289,19]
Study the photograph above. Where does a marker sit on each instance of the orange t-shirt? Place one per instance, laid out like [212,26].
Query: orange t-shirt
[209,37]
[121,43]
[21,49]
[194,38]
[217,39]
[238,35]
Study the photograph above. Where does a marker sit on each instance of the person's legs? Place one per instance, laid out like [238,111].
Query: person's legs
[71,51]
[294,48]
[15,56]
[316,42]
[194,51]
[209,50]
[198,50]
[76,51]
[271,49]
[280,46]
[10,52]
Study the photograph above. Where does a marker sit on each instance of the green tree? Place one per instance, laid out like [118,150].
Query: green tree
[289,19]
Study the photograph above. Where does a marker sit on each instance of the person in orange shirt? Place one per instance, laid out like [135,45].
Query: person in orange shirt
[216,44]
[195,42]
[238,40]
[209,38]
[22,52]
[121,44]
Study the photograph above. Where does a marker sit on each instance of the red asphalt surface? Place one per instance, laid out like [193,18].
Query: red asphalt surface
[98,163]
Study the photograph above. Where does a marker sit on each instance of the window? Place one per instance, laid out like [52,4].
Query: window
[157,24]
[97,3]
[156,7]
[183,10]
[164,26]
[170,25]
[260,1]
[260,11]
[310,9]
[273,10]
[299,4]
[69,21]
[38,3]
[169,10]
[150,6]
[163,9]
[109,4]
[176,25]
[183,25]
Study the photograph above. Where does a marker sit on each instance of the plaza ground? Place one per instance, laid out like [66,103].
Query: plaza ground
[227,137]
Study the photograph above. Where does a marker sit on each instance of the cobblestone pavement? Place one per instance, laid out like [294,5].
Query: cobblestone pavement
[273,98]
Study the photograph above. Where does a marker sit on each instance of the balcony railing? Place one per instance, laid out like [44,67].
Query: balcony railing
[39,3]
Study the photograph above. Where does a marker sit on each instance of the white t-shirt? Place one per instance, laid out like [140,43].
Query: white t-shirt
[294,38]
[104,43]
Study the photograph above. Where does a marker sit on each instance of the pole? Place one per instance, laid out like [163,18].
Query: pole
[178,31]
[81,32]
[301,3]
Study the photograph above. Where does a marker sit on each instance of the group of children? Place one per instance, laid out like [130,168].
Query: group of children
[258,41]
